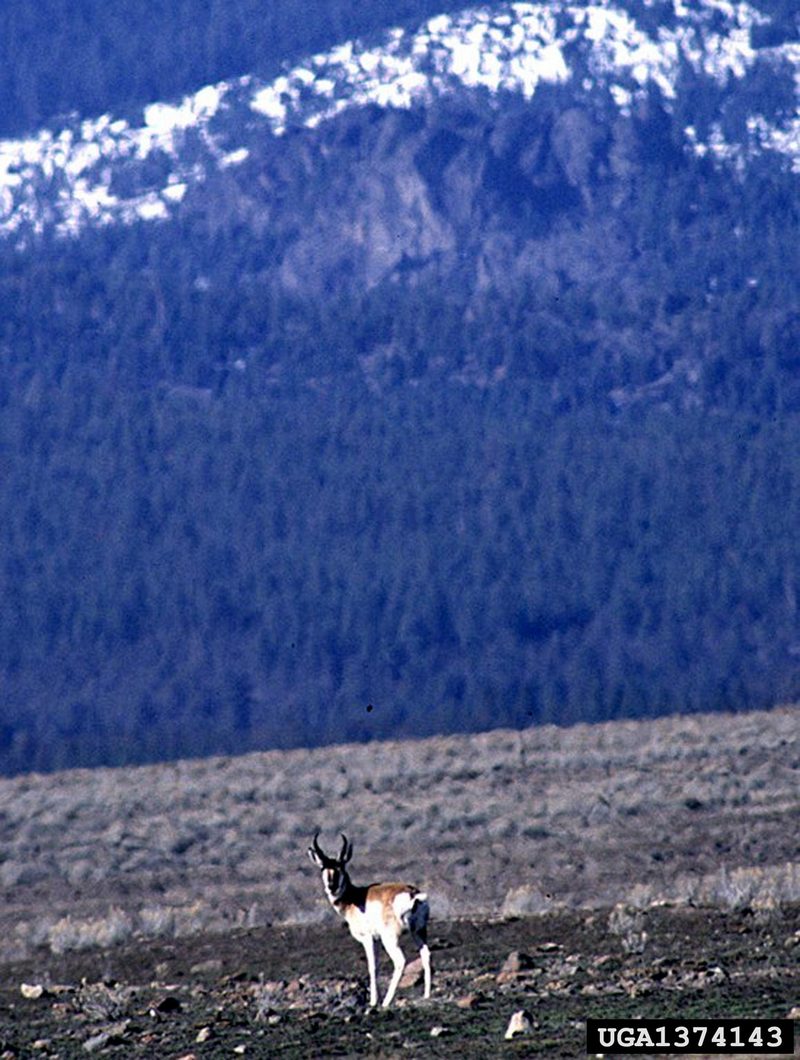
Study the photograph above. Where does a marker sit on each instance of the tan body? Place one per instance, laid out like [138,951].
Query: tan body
[381,911]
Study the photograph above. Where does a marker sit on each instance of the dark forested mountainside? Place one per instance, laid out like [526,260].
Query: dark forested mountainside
[237,516]
[486,412]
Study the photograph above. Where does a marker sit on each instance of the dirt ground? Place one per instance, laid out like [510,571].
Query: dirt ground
[301,991]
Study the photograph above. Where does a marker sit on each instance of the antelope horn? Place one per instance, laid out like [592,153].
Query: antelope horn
[317,848]
[347,850]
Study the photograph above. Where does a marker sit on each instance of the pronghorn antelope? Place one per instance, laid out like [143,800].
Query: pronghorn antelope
[381,911]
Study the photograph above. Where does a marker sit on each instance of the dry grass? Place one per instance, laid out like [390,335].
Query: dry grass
[682,809]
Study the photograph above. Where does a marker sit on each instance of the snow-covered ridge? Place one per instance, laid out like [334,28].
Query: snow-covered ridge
[92,171]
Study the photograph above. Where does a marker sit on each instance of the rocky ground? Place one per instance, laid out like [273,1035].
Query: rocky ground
[300,991]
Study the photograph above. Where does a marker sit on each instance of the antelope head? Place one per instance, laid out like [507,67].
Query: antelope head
[334,873]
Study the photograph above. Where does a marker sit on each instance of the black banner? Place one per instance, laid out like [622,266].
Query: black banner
[731,1036]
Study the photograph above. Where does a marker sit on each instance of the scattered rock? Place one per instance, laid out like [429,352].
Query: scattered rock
[207,967]
[520,1023]
[413,974]
[638,987]
[517,962]
[32,991]
[112,1035]
[793,1013]
[203,1035]
[603,959]
[438,1031]
[514,965]
[273,986]
[469,1001]
[484,979]
[166,1005]
[702,978]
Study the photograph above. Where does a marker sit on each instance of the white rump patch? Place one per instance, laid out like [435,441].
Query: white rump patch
[411,909]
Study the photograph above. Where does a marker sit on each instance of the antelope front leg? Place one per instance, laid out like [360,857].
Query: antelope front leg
[369,950]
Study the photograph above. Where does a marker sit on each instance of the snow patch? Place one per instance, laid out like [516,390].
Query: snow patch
[512,47]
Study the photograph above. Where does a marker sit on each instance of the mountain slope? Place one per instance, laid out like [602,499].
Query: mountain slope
[327,420]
